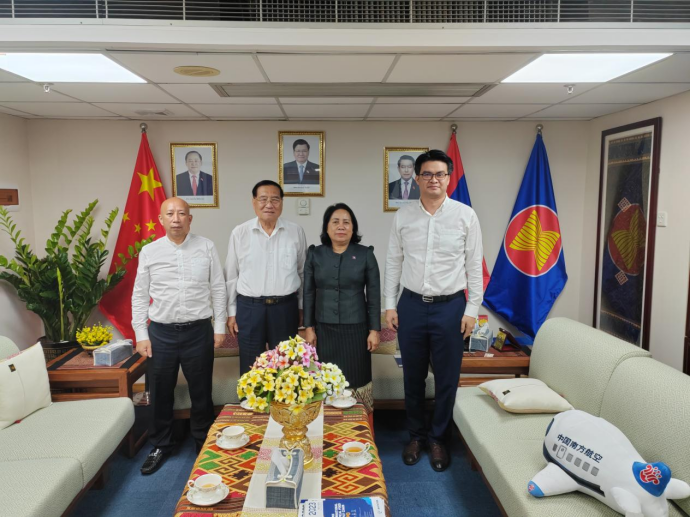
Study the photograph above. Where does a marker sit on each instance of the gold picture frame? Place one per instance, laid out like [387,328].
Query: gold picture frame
[309,179]
[182,158]
[395,166]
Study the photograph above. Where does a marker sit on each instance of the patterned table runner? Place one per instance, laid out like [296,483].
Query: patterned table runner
[237,466]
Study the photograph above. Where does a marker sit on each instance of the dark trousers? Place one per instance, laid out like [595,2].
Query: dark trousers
[261,323]
[430,331]
[192,348]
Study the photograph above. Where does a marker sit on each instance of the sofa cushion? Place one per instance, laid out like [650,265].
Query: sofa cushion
[58,480]
[479,419]
[525,396]
[388,379]
[230,347]
[88,431]
[577,361]
[649,402]
[226,372]
[24,386]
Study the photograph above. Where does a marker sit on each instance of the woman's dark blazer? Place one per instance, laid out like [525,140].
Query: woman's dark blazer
[334,286]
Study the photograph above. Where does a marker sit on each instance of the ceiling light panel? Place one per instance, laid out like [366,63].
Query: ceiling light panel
[67,68]
[581,68]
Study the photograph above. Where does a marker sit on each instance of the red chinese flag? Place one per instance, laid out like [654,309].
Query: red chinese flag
[139,222]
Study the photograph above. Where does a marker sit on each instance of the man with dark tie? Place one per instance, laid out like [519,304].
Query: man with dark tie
[301,170]
[194,182]
[406,188]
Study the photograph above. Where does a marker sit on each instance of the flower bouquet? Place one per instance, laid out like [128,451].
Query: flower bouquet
[91,338]
[290,382]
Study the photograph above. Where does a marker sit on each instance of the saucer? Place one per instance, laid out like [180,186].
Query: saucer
[233,446]
[244,404]
[344,403]
[214,498]
[363,460]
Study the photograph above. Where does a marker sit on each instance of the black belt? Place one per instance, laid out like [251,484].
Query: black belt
[183,326]
[437,298]
[269,301]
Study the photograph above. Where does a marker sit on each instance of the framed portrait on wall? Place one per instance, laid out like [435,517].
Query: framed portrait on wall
[626,230]
[301,162]
[399,181]
[194,172]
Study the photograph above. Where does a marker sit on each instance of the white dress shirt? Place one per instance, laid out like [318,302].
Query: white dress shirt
[435,255]
[185,282]
[259,265]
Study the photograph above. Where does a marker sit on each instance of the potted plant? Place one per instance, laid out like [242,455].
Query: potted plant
[291,383]
[63,286]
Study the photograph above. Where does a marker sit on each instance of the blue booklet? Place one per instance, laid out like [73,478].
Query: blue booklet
[353,507]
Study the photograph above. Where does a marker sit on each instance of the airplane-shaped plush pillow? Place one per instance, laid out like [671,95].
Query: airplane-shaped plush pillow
[588,454]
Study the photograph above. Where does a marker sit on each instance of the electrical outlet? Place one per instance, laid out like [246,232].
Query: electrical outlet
[303,206]
[662,219]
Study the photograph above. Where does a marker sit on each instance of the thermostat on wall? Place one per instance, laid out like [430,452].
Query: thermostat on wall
[303,206]
[9,196]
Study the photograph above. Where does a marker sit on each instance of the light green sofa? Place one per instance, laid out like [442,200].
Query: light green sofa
[597,373]
[52,455]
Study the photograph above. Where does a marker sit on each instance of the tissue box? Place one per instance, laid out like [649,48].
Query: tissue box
[283,491]
[481,339]
[113,353]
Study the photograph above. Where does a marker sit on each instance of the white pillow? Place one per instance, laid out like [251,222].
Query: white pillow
[525,396]
[24,386]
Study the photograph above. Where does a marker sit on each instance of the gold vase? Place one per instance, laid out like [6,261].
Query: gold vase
[295,426]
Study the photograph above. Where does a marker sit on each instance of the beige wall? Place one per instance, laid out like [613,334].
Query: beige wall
[84,160]
[672,251]
[22,326]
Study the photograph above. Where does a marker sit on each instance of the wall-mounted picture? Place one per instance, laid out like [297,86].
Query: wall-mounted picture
[194,172]
[301,162]
[626,230]
[399,182]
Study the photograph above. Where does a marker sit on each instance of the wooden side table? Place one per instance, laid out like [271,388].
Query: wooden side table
[75,384]
[500,364]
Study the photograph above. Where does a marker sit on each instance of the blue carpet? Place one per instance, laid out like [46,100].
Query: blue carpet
[412,490]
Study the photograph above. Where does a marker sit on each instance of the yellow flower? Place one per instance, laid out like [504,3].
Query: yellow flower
[269,385]
[279,395]
[255,377]
[261,403]
[290,398]
[251,401]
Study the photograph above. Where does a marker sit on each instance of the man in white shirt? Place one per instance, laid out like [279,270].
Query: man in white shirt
[264,272]
[182,274]
[434,254]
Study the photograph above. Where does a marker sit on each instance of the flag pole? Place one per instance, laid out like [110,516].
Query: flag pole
[144,398]
[539,128]
[454,128]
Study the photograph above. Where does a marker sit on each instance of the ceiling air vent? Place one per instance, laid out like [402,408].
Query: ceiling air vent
[151,113]
[351,89]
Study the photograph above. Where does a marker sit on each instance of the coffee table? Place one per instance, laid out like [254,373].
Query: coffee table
[237,466]
[72,379]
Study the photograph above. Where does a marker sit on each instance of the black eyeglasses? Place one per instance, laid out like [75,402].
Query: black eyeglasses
[439,176]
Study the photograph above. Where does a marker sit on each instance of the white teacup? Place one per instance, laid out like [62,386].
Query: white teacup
[231,434]
[206,485]
[344,397]
[355,451]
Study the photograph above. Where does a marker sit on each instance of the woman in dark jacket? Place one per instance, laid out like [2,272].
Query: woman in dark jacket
[342,300]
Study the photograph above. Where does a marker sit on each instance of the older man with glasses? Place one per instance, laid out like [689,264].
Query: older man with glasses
[264,272]
[435,256]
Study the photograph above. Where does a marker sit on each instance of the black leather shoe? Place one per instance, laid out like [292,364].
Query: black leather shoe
[412,452]
[153,461]
[438,456]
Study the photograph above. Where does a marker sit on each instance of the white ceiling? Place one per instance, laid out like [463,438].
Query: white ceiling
[192,98]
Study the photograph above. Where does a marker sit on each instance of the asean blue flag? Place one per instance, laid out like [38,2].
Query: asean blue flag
[529,273]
